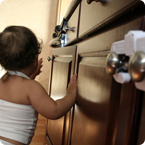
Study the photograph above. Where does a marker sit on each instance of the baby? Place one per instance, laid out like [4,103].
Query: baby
[21,97]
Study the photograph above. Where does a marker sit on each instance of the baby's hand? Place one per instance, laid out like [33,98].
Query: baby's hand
[38,70]
[72,86]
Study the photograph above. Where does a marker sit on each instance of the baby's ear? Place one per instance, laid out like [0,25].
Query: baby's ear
[36,57]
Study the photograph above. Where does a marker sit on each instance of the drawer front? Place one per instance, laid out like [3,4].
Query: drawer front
[100,12]
[104,41]
[73,24]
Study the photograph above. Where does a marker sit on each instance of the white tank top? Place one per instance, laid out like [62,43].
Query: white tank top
[17,121]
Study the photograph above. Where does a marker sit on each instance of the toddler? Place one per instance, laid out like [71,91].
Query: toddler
[21,97]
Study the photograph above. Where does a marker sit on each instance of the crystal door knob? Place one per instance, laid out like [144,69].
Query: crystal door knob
[112,63]
[137,66]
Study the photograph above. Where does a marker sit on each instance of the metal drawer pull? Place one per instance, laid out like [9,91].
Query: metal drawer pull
[49,58]
[70,29]
[137,66]
[90,1]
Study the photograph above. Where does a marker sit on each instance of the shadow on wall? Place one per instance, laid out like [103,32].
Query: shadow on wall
[47,50]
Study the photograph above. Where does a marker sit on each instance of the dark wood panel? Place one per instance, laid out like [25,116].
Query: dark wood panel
[99,13]
[58,90]
[73,23]
[62,69]
[92,109]
[104,41]
[129,115]
[55,130]
[60,72]
[141,134]
[113,113]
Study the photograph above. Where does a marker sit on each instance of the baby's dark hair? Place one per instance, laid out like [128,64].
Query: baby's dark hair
[18,47]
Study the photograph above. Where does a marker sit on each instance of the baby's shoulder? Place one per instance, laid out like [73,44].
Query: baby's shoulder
[34,88]
[32,84]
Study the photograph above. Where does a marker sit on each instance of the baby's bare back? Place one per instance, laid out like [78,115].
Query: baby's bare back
[14,89]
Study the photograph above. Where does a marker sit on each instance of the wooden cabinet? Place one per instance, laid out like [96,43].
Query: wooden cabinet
[63,60]
[105,112]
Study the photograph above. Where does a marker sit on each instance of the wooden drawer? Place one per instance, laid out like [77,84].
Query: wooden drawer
[104,41]
[98,13]
[73,23]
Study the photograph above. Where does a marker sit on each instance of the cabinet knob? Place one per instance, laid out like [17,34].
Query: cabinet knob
[54,35]
[137,66]
[49,58]
[90,1]
[116,63]
[57,28]
[112,63]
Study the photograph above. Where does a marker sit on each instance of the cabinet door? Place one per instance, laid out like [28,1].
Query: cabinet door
[128,115]
[105,112]
[61,71]
[141,132]
[97,101]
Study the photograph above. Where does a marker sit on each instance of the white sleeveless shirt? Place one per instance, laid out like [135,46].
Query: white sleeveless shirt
[17,121]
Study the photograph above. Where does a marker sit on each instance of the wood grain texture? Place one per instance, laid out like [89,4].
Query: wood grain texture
[39,136]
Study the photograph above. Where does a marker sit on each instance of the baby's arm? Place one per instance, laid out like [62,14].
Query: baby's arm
[46,106]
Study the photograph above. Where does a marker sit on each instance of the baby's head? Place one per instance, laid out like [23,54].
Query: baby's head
[18,47]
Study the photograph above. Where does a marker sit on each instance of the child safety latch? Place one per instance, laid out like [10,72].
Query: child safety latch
[126,59]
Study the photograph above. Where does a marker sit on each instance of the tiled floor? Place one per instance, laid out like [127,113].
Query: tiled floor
[39,137]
